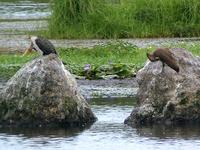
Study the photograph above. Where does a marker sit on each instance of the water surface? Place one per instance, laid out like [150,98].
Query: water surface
[24,9]
[107,133]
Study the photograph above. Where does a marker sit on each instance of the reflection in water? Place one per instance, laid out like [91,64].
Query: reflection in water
[108,132]
[167,132]
[42,132]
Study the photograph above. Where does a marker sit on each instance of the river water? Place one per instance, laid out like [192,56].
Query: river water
[108,132]
[24,9]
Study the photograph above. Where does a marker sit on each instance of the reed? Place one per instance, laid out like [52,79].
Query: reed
[124,18]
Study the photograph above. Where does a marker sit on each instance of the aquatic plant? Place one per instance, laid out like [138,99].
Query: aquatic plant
[114,58]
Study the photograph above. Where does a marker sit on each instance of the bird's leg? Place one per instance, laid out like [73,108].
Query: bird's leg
[29,50]
[163,65]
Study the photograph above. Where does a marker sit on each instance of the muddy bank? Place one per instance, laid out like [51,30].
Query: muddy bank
[21,27]
[11,43]
[113,88]
[108,88]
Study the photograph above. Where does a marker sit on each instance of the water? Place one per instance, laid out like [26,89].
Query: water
[19,17]
[24,9]
[107,133]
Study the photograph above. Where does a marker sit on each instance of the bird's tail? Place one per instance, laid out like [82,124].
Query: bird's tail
[174,66]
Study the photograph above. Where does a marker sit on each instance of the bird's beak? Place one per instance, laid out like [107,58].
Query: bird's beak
[28,50]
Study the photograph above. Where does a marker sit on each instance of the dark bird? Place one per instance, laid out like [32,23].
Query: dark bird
[41,45]
[165,56]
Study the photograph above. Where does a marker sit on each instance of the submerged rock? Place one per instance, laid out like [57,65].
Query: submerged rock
[43,93]
[166,96]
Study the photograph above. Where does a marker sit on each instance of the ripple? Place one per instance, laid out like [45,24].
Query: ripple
[108,132]
[24,10]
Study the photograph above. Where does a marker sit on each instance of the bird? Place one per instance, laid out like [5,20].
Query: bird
[41,45]
[165,56]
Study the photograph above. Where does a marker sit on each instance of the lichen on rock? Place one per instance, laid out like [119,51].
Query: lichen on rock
[43,93]
[165,96]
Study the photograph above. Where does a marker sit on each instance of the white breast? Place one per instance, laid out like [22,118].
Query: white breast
[33,38]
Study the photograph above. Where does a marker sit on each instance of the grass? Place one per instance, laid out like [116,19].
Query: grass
[194,48]
[118,58]
[109,53]
[124,18]
[10,64]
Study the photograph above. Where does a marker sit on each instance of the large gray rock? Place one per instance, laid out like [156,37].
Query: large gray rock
[43,93]
[168,97]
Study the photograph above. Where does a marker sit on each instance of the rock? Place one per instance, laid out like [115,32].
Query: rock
[168,97]
[43,93]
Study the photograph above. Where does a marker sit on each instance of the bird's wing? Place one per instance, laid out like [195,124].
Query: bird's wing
[45,45]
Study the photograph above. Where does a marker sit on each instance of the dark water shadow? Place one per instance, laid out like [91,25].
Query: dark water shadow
[190,131]
[44,132]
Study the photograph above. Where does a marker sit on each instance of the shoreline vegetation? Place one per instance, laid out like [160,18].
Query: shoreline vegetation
[115,59]
[124,19]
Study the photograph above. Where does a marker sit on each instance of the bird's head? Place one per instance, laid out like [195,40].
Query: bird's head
[151,57]
[32,46]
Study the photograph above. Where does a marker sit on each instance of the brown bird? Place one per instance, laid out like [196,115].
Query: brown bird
[165,56]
